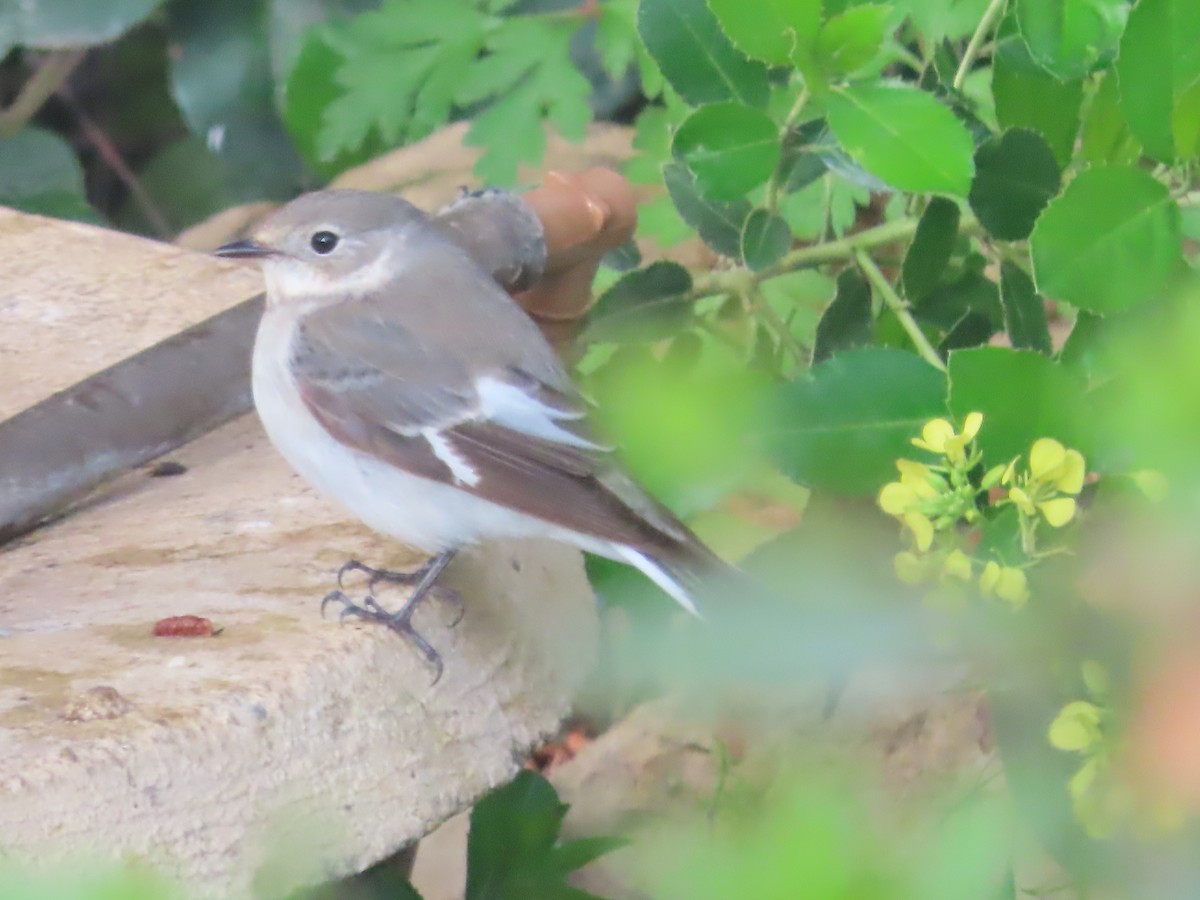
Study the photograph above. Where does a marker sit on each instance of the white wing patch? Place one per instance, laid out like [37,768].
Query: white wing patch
[462,470]
[511,407]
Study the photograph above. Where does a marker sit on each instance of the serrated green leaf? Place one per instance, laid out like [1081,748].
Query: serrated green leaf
[852,39]
[1028,97]
[1109,242]
[696,57]
[904,136]
[765,238]
[1159,69]
[775,31]
[1023,396]
[719,224]
[1024,310]
[1070,38]
[59,24]
[844,424]
[930,250]
[311,90]
[948,302]
[644,305]
[972,330]
[1015,177]
[729,147]
[847,322]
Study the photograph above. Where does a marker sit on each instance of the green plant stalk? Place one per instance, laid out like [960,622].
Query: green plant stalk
[760,305]
[991,15]
[53,72]
[772,201]
[900,308]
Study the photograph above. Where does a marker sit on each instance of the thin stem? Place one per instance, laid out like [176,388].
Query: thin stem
[788,340]
[113,159]
[892,300]
[990,16]
[773,185]
[53,72]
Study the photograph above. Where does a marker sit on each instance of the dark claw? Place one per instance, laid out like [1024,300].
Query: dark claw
[400,622]
[375,576]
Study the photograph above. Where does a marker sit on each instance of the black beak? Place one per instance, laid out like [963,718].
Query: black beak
[246,249]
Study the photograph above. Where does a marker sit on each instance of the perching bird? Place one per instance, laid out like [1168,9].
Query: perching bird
[397,377]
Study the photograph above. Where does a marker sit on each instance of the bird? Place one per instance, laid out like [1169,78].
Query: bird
[397,377]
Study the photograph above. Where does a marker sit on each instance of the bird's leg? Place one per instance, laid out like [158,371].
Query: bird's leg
[401,621]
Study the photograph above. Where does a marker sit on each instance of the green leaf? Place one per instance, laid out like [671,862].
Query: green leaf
[1023,396]
[34,162]
[904,136]
[645,305]
[549,86]
[1015,177]
[765,238]
[969,291]
[719,224]
[930,250]
[1024,310]
[1106,136]
[1159,69]
[730,148]
[774,31]
[849,419]
[311,90]
[939,19]
[58,24]
[851,40]
[1028,97]
[220,78]
[1109,242]
[847,322]
[694,55]
[402,65]
[972,330]
[187,182]
[1070,38]
[511,852]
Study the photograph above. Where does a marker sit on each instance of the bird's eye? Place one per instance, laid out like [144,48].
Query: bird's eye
[323,242]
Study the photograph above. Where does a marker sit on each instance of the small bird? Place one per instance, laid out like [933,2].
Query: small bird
[396,376]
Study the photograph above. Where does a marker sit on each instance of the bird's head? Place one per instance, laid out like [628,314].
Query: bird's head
[329,244]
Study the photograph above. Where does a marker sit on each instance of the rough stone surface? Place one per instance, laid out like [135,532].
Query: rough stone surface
[327,744]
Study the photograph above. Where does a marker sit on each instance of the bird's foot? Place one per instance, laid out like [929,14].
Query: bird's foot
[401,621]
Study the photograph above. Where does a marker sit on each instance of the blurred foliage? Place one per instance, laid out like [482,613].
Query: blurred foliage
[972,223]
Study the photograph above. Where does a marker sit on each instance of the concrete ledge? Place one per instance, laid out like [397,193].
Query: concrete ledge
[326,743]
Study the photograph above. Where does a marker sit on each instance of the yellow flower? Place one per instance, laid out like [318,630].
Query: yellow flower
[1059,511]
[938,436]
[896,497]
[1076,728]
[999,474]
[934,436]
[909,567]
[917,476]
[1004,582]
[1052,463]
[957,565]
[921,528]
